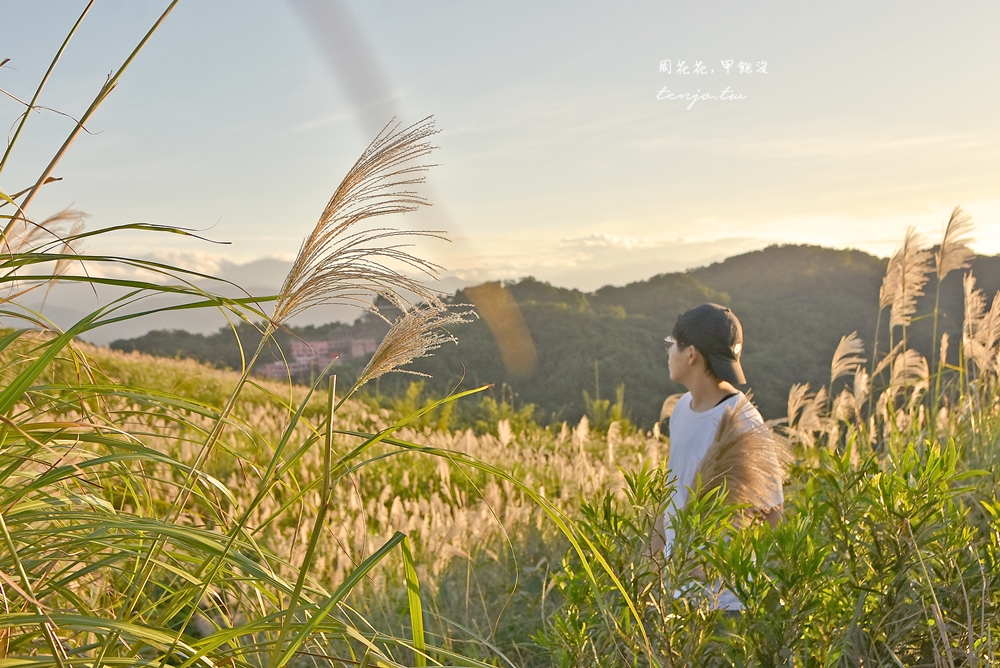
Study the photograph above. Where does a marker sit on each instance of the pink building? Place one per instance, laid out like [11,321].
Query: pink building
[309,357]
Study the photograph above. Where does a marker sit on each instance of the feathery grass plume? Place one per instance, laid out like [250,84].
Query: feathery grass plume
[614,439]
[981,330]
[813,416]
[890,283]
[954,252]
[887,360]
[70,246]
[844,406]
[847,357]
[339,264]
[747,457]
[988,334]
[798,396]
[806,413]
[581,433]
[975,307]
[504,433]
[861,388]
[413,335]
[26,235]
[564,434]
[909,275]
[668,406]
[882,405]
[943,350]
[909,369]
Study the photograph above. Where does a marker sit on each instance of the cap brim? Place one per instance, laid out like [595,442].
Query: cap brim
[728,369]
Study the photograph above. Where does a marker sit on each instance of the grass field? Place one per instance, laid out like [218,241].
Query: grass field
[159,512]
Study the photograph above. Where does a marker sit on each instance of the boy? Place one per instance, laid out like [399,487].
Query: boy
[704,357]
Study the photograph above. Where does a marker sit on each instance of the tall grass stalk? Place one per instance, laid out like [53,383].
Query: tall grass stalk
[131,541]
[952,254]
[126,554]
[32,104]
[102,95]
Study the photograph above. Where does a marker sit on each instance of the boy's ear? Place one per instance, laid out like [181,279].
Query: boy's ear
[695,356]
[697,359]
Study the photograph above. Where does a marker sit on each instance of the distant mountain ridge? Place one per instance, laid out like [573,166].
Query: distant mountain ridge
[795,302]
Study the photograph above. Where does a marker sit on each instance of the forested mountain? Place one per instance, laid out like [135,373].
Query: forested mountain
[795,302]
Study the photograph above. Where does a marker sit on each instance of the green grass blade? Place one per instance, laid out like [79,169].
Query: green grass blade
[416,609]
[41,86]
[284,655]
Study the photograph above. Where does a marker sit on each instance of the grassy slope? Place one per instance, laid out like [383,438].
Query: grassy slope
[474,536]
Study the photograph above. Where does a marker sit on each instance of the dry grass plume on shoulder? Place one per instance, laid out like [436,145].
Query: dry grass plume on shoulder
[746,457]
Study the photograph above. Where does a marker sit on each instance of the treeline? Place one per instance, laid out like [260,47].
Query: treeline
[795,302]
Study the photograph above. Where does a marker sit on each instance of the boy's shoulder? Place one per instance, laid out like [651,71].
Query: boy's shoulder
[738,400]
[744,404]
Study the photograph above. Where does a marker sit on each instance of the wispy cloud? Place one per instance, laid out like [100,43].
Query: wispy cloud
[605,240]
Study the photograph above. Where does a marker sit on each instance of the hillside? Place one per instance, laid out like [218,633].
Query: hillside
[795,302]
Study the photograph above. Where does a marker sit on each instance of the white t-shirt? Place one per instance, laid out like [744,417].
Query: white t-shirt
[691,434]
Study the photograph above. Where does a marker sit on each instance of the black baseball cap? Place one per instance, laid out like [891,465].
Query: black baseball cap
[717,334]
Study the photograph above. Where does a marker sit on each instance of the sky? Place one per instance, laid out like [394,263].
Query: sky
[570,147]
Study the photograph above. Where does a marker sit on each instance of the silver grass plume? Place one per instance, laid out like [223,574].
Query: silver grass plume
[564,434]
[890,282]
[413,335]
[668,406]
[70,246]
[847,357]
[954,252]
[28,235]
[806,413]
[813,419]
[975,307]
[887,360]
[798,396]
[614,439]
[844,406]
[987,336]
[905,279]
[849,403]
[909,369]
[338,263]
[981,329]
[581,434]
[749,458]
[862,386]
[882,405]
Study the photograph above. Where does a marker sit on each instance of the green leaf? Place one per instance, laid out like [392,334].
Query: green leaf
[413,597]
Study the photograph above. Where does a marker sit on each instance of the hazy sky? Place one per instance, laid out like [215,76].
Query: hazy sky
[557,158]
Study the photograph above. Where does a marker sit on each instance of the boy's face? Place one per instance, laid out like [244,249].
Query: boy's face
[683,362]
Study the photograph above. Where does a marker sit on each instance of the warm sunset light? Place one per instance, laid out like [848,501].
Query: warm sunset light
[357,334]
